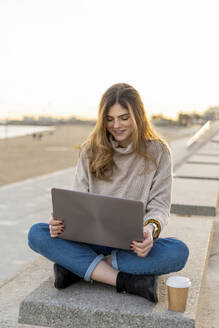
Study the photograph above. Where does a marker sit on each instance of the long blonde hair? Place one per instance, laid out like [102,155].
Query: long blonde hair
[98,147]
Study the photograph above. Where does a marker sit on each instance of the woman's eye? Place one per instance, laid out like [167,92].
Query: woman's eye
[125,118]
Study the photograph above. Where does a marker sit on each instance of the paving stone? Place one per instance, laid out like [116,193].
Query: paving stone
[14,290]
[198,171]
[98,305]
[31,201]
[194,197]
[208,312]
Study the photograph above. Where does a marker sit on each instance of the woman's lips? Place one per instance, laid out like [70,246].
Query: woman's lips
[119,132]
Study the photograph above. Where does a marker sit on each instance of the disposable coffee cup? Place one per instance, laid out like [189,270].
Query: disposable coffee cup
[178,288]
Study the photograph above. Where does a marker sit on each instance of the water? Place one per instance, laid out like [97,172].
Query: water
[10,131]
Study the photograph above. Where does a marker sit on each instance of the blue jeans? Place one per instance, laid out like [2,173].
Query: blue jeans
[167,255]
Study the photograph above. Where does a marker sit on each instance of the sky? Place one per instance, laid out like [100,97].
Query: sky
[57,57]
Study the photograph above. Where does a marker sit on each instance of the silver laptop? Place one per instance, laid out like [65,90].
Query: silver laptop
[97,219]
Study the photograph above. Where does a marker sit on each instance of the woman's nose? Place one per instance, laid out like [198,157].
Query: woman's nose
[116,124]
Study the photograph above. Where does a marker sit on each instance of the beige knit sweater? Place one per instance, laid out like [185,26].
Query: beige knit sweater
[153,187]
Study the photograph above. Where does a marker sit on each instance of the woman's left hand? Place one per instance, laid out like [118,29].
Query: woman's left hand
[143,248]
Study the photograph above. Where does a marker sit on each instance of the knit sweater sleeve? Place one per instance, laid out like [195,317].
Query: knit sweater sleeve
[159,200]
[81,177]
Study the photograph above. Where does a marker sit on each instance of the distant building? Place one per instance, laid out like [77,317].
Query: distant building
[185,119]
[28,119]
[212,113]
[161,120]
[46,119]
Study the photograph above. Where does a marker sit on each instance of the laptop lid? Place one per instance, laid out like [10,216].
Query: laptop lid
[98,219]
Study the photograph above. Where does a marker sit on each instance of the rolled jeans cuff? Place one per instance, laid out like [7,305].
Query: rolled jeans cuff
[92,267]
[114,260]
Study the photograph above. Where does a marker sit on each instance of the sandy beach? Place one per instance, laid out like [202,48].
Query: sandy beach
[26,157]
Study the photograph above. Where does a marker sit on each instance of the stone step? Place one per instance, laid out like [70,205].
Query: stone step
[209,148]
[98,305]
[215,138]
[194,197]
[198,171]
[203,159]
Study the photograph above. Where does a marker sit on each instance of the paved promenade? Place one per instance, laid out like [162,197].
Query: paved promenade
[27,202]
[21,205]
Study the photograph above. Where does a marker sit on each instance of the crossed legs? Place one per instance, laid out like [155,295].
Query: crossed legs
[102,263]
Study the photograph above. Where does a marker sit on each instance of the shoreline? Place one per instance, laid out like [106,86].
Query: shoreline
[14,131]
[25,157]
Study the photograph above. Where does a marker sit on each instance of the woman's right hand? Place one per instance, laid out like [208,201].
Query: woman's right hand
[55,226]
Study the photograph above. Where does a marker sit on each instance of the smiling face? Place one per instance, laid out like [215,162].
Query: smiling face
[119,124]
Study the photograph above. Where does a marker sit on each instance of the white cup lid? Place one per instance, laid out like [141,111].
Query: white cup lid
[178,282]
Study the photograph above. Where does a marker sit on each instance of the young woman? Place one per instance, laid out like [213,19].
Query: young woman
[123,157]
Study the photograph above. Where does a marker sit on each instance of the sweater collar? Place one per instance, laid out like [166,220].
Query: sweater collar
[119,149]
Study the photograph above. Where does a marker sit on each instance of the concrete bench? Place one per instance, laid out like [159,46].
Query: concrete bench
[194,197]
[98,305]
[198,171]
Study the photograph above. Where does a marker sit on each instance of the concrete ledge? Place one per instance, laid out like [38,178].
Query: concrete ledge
[215,138]
[198,171]
[99,305]
[201,159]
[194,197]
[209,148]
[96,306]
